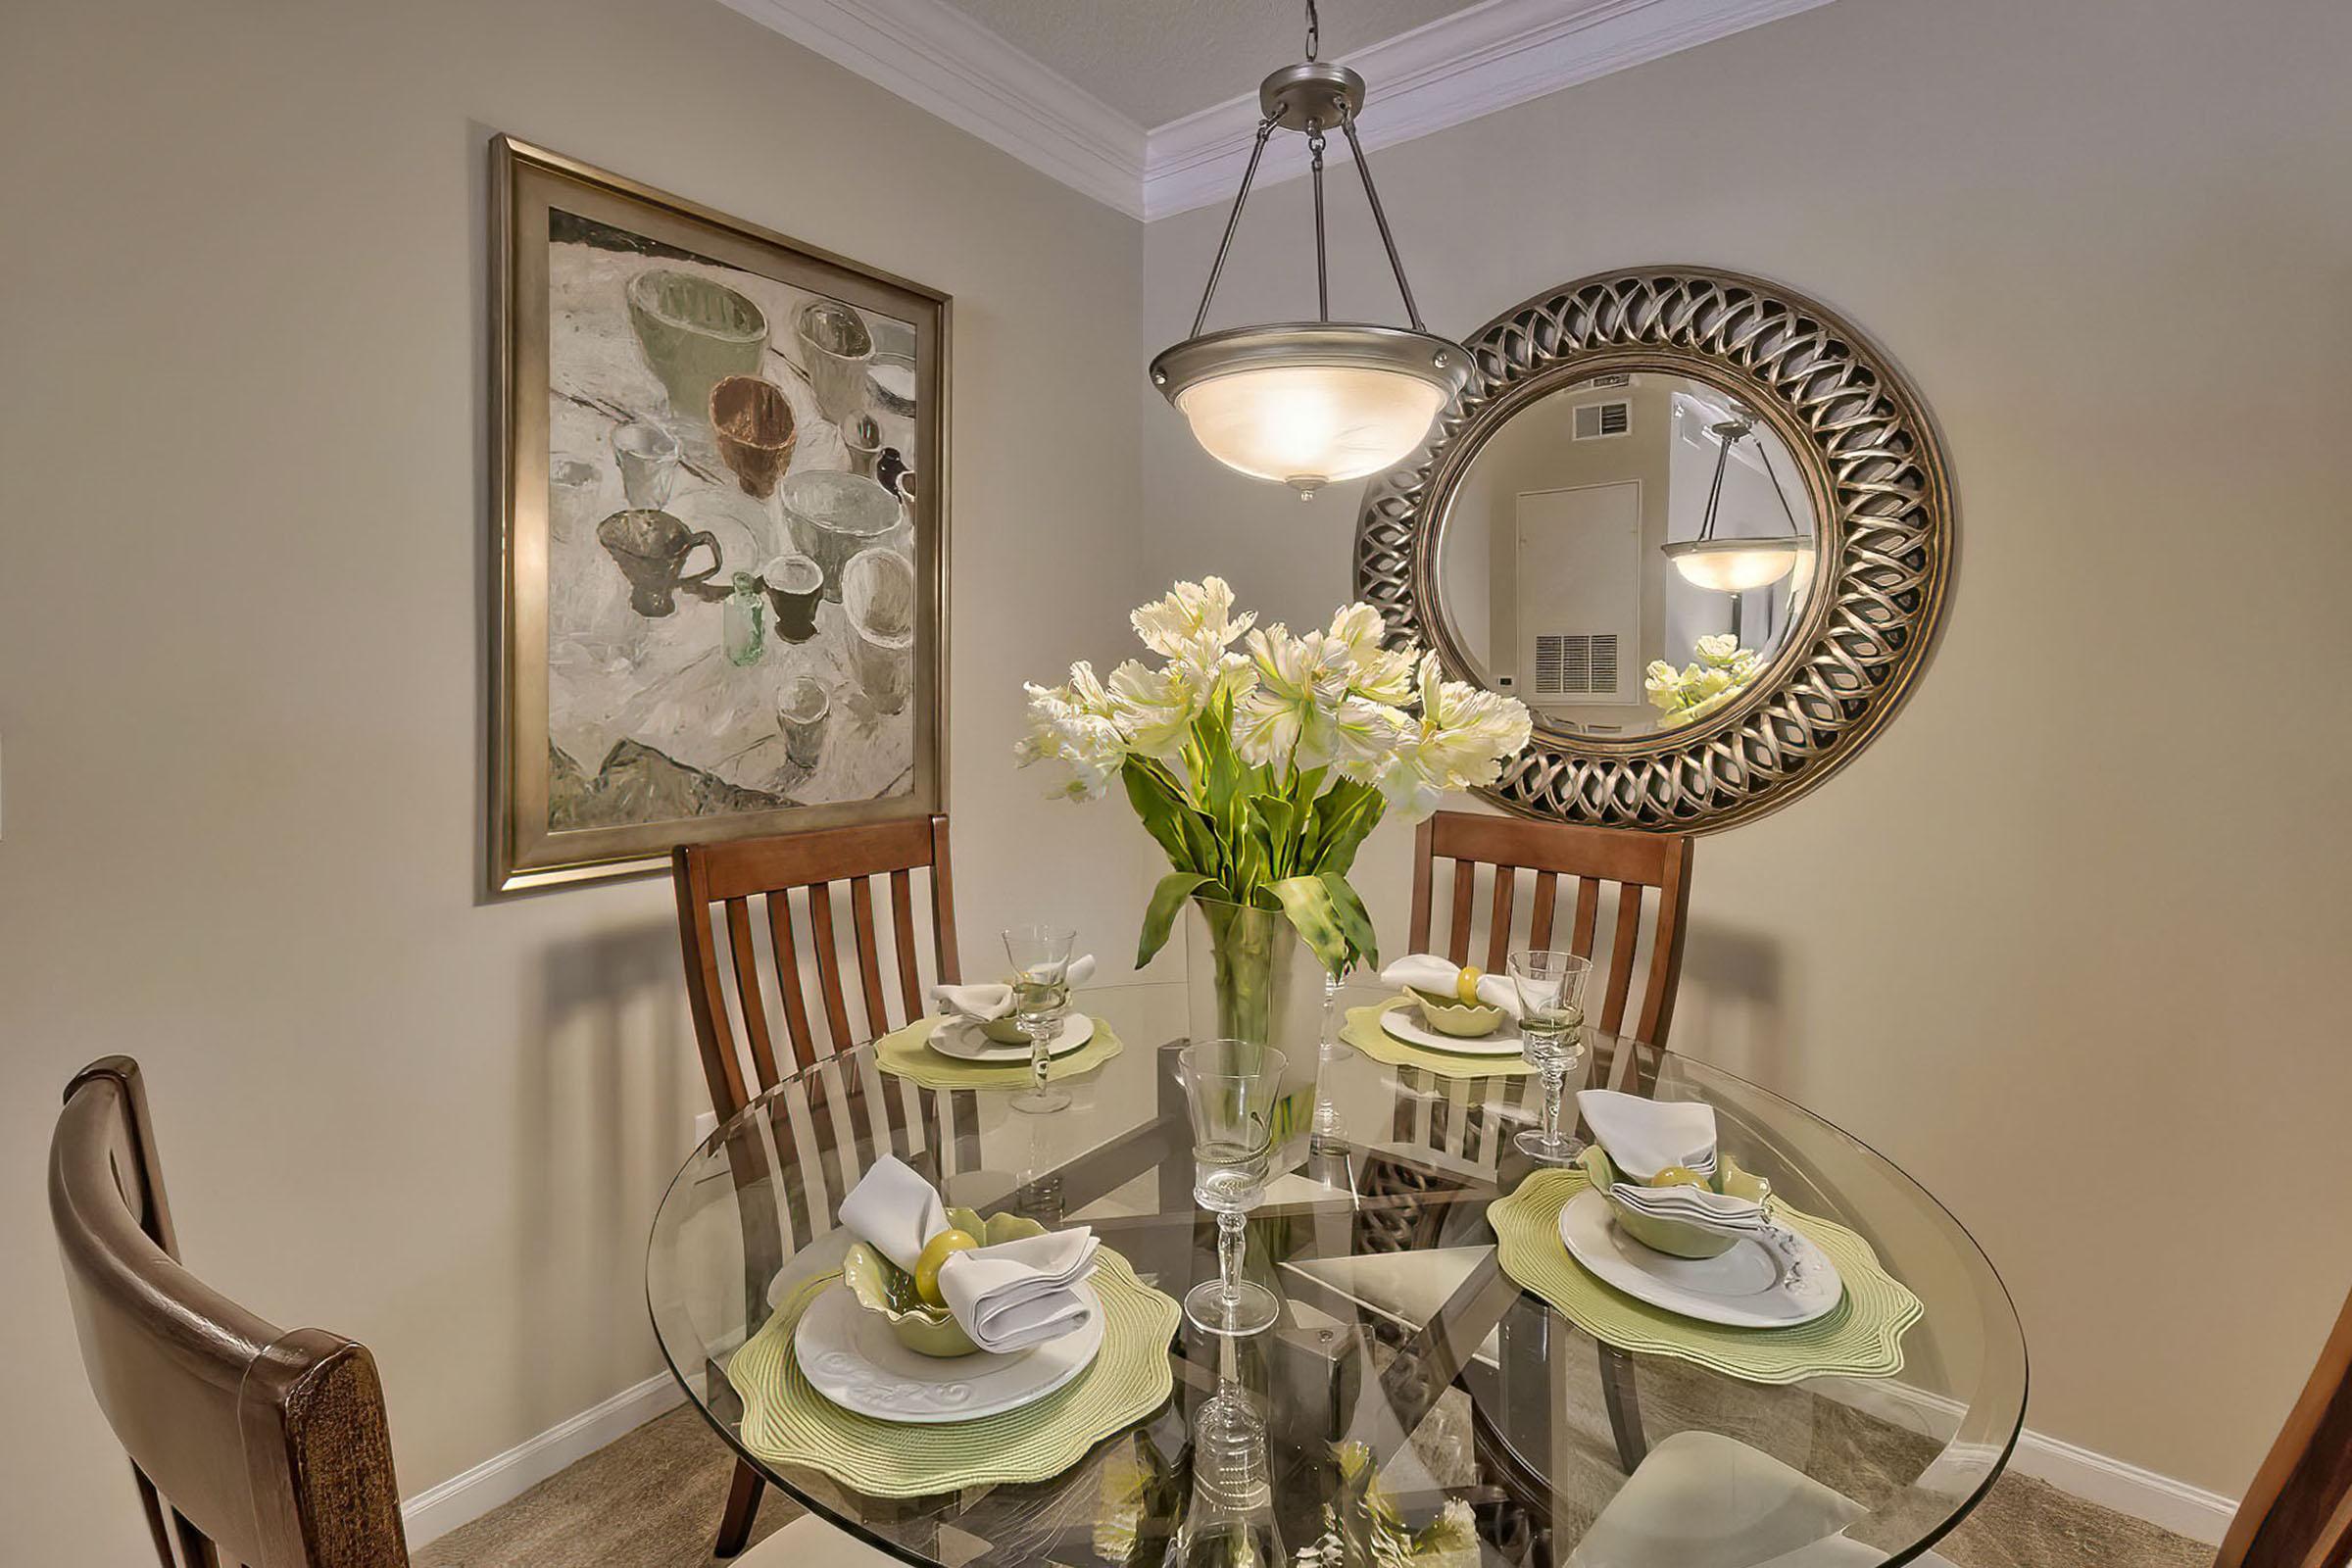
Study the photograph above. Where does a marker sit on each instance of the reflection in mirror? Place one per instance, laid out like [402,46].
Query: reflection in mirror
[1627,554]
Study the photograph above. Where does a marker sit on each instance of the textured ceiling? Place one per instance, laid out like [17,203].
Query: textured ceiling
[1159,59]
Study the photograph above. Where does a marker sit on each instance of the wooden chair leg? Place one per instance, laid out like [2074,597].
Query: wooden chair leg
[743,1504]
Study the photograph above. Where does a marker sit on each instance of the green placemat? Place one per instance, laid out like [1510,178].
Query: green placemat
[908,1055]
[1862,1338]
[785,1421]
[1362,1030]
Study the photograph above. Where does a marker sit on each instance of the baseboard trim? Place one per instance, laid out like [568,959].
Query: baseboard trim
[2162,1501]
[2079,1472]
[503,1477]
[2169,1505]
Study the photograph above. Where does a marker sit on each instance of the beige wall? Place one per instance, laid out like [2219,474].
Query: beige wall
[242,494]
[241,489]
[2086,894]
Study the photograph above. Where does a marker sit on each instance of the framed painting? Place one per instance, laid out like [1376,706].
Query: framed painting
[723,541]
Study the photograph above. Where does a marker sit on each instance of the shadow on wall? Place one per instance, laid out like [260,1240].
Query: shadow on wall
[1731,1010]
[611,1088]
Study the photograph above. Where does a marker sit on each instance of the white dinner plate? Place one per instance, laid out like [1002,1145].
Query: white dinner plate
[1403,1021]
[849,1355]
[964,1040]
[1749,1287]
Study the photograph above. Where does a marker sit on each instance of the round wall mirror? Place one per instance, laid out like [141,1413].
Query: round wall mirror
[1627,553]
[1694,521]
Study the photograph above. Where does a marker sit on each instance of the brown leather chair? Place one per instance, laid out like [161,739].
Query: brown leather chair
[249,1443]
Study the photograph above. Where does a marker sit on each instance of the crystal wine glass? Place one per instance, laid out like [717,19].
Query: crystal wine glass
[1231,1086]
[1041,996]
[1551,1017]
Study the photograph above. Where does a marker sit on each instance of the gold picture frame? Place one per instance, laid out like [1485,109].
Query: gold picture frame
[673,386]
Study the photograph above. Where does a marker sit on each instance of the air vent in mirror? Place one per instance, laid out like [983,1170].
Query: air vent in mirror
[1594,421]
[1576,663]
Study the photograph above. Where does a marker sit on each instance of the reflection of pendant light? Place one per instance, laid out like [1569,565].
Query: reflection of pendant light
[1735,566]
[1312,402]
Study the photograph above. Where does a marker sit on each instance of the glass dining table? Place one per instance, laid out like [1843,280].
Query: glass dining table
[1403,1351]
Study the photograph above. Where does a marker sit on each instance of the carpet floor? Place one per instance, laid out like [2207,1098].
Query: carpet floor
[652,1498]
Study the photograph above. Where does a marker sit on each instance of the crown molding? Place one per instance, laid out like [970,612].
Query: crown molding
[1457,69]
[1453,70]
[941,61]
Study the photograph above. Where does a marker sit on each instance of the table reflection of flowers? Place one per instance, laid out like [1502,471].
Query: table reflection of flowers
[1721,670]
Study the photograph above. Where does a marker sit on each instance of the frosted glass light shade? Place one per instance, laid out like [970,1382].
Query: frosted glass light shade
[1312,425]
[1732,566]
[1312,404]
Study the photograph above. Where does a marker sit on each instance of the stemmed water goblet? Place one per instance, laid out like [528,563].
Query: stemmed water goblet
[1551,1018]
[1041,996]
[1230,1087]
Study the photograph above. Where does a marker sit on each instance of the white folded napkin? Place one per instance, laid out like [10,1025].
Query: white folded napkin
[986,1004]
[1008,1297]
[1426,971]
[1694,1205]
[1643,1137]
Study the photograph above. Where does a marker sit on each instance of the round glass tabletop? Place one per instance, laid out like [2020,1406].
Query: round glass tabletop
[1410,1395]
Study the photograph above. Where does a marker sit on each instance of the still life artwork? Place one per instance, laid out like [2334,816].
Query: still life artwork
[723,540]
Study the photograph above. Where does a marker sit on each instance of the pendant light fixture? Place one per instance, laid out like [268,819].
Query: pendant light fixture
[1736,565]
[1312,402]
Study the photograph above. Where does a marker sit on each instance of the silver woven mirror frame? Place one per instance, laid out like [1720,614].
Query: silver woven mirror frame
[1882,508]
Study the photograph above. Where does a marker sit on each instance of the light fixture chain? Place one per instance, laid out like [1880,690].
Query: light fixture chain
[1233,221]
[1388,240]
[1314,30]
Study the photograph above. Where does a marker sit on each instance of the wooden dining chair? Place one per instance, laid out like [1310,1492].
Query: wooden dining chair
[789,885]
[248,1444]
[2298,1513]
[1640,864]
[793,882]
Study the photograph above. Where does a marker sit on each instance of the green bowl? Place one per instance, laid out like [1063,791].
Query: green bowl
[695,332]
[1450,1015]
[883,1287]
[1668,1235]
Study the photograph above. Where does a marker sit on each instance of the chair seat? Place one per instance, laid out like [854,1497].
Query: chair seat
[1703,1501]
[810,1542]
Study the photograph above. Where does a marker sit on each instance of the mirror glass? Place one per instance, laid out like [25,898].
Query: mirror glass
[1579,572]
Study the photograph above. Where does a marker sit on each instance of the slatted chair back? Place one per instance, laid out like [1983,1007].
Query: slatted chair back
[248,1444]
[796,886]
[1651,872]
[2298,1513]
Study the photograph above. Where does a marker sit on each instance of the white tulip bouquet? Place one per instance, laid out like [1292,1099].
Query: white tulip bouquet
[1722,670]
[1261,770]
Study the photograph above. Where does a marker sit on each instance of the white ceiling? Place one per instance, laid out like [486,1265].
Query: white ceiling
[1151,106]
[1156,60]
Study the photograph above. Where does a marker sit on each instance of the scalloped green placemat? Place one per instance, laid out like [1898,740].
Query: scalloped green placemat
[1861,1338]
[1362,1030]
[907,1053]
[786,1421]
